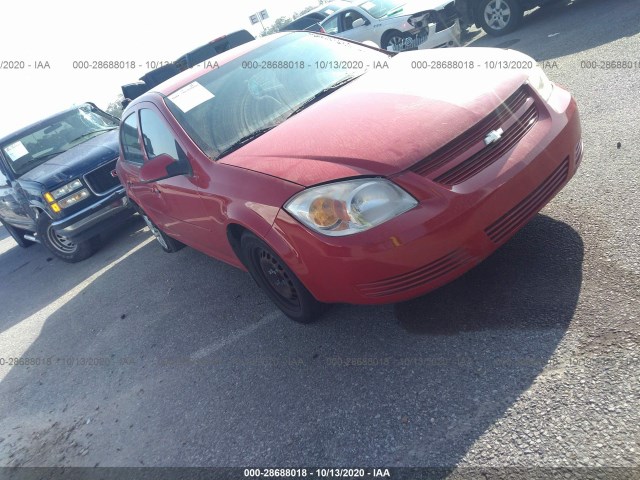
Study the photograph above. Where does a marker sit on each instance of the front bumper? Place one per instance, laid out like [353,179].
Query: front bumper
[96,218]
[450,231]
[428,37]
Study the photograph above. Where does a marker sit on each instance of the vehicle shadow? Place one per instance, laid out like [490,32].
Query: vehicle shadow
[532,282]
[186,349]
[557,30]
[475,346]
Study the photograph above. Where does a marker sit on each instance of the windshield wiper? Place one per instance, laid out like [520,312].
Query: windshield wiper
[318,96]
[243,141]
[323,93]
[91,133]
[47,155]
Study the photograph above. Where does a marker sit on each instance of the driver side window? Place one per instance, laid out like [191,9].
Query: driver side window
[330,25]
[129,139]
[157,137]
[348,19]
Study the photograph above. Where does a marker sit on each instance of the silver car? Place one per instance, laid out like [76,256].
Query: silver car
[396,24]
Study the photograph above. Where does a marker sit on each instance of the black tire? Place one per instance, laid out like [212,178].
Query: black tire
[18,236]
[499,17]
[278,281]
[395,38]
[61,246]
[168,244]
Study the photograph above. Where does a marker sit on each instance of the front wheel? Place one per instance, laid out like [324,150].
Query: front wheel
[278,281]
[394,39]
[499,17]
[61,246]
[168,244]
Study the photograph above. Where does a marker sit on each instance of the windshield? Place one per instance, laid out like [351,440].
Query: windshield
[382,8]
[263,88]
[56,135]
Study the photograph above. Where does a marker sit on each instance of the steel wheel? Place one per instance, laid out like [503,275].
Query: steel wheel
[278,281]
[277,278]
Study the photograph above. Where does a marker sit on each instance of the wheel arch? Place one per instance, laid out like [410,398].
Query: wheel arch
[38,210]
[234,237]
[388,33]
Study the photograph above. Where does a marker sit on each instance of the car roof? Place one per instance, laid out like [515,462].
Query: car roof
[340,4]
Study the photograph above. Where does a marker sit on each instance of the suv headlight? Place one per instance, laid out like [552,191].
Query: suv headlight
[348,207]
[74,198]
[55,197]
[541,83]
[66,189]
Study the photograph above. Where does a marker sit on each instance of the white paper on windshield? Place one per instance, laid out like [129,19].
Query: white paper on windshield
[368,5]
[16,150]
[190,96]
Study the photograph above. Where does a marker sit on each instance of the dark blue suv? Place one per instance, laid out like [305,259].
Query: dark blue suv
[58,184]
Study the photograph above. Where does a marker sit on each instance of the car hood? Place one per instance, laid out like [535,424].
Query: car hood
[386,120]
[76,161]
[416,6]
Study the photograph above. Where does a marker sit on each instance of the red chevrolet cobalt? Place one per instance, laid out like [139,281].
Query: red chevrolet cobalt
[336,172]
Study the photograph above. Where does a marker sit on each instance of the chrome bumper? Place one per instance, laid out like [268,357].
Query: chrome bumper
[92,220]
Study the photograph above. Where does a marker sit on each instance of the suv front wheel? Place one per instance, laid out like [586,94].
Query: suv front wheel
[61,246]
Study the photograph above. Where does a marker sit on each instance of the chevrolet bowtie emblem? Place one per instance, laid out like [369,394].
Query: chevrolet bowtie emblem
[493,136]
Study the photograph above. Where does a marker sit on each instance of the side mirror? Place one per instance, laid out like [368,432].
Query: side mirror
[163,166]
[358,22]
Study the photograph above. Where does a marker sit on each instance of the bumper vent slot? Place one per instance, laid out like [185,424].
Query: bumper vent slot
[515,218]
[415,278]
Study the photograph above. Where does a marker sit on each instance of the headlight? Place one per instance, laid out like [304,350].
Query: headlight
[352,206]
[541,83]
[73,199]
[66,189]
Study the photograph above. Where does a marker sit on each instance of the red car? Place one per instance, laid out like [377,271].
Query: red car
[336,172]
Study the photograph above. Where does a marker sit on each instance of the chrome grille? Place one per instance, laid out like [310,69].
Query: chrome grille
[100,180]
[510,111]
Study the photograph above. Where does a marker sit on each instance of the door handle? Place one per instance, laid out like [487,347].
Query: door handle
[156,190]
